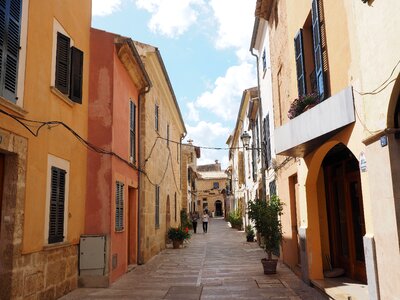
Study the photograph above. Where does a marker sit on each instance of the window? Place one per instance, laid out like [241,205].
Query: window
[156,111]
[167,135]
[69,68]
[216,185]
[119,206]
[272,188]
[10,28]
[132,130]
[157,207]
[267,141]
[311,55]
[176,208]
[57,205]
[264,60]
[257,133]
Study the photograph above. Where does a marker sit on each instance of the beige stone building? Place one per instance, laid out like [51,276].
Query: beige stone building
[190,154]
[161,130]
[338,161]
[211,185]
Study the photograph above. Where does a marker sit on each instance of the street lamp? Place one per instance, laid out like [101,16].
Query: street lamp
[245,137]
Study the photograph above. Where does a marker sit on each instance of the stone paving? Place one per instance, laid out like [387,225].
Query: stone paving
[215,265]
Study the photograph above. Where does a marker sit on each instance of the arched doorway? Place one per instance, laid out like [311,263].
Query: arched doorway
[218,208]
[345,214]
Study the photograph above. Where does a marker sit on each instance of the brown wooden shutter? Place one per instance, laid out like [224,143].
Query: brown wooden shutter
[57,205]
[241,167]
[10,23]
[76,75]
[62,63]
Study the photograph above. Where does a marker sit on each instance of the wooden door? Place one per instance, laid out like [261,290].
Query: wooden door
[132,226]
[1,185]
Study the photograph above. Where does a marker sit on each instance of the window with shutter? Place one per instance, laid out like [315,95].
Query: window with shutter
[10,28]
[272,188]
[132,129]
[299,52]
[168,135]
[156,109]
[75,92]
[119,206]
[241,167]
[267,142]
[319,67]
[157,207]
[62,63]
[57,205]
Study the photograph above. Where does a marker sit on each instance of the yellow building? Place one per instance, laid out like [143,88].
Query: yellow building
[161,130]
[190,154]
[44,77]
[338,160]
[211,186]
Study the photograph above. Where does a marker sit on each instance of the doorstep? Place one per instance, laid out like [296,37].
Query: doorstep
[342,288]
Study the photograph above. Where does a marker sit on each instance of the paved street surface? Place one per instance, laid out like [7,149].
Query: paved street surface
[215,265]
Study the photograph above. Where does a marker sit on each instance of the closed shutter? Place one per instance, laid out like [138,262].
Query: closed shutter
[267,141]
[57,204]
[132,128]
[62,63]
[319,66]
[10,27]
[119,206]
[157,207]
[299,52]
[241,167]
[76,75]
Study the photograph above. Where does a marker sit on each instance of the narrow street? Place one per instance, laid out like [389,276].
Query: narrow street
[216,265]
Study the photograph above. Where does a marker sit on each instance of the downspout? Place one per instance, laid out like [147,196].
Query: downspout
[263,179]
[141,95]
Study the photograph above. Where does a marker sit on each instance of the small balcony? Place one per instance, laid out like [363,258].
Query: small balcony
[306,132]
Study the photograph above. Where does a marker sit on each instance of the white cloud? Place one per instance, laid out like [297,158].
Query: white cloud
[235,22]
[193,114]
[105,7]
[225,98]
[209,134]
[171,18]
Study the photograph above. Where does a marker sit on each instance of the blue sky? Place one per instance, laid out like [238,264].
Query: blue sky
[204,45]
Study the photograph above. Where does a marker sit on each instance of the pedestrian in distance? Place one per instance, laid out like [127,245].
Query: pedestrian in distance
[205,222]
[194,217]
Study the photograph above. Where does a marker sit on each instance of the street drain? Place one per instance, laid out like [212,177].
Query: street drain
[184,292]
[269,283]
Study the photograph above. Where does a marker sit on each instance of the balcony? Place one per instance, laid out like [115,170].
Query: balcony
[306,132]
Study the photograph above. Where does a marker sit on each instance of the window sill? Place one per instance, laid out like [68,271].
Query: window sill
[63,97]
[54,246]
[13,107]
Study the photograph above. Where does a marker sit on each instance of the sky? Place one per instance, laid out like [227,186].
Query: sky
[205,47]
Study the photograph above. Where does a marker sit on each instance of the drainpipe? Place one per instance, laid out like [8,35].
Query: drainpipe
[141,95]
[263,179]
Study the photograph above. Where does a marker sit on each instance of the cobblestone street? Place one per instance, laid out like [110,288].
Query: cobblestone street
[216,265]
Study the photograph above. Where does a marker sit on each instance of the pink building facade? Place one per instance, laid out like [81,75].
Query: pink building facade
[117,83]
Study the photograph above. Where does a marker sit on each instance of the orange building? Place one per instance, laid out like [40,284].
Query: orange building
[42,163]
[117,83]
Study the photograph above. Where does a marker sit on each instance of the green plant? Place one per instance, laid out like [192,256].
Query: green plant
[299,105]
[185,220]
[178,233]
[267,219]
[235,218]
[249,233]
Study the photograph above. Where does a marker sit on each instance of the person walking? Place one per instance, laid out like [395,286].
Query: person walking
[205,222]
[194,217]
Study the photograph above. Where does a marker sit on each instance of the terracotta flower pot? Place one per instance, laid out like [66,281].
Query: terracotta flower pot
[176,243]
[269,265]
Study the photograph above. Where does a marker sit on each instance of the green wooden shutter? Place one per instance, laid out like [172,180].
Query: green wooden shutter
[319,67]
[63,63]
[267,141]
[57,205]
[299,52]
[157,206]
[119,206]
[10,27]
[75,92]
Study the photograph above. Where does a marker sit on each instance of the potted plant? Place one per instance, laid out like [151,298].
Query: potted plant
[235,218]
[266,216]
[177,235]
[249,233]
[302,104]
